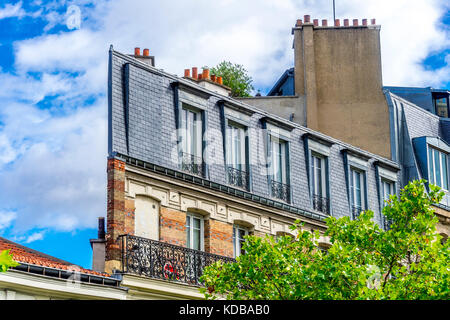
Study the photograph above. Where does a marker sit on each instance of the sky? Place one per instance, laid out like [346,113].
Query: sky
[53,86]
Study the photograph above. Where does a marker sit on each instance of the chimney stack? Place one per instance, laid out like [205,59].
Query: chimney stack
[99,247]
[145,58]
[101,228]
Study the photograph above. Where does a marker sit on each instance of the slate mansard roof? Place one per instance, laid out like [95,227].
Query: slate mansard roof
[142,123]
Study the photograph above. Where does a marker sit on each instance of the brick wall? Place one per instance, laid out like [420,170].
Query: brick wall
[219,237]
[129,217]
[115,208]
[172,226]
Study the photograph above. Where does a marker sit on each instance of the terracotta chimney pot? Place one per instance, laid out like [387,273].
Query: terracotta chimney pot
[355,22]
[337,23]
[137,51]
[187,73]
[194,72]
[219,80]
[364,22]
[346,23]
[146,53]
[373,21]
[205,74]
[307,18]
[298,23]
[324,23]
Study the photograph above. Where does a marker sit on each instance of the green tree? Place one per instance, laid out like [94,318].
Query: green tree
[6,261]
[408,261]
[235,77]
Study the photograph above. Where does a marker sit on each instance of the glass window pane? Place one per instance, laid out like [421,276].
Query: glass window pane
[430,165]
[444,171]
[196,239]
[437,168]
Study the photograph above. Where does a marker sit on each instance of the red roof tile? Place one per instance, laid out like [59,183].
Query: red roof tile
[30,256]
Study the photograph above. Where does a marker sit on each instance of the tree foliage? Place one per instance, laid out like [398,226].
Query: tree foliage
[6,261]
[235,77]
[408,261]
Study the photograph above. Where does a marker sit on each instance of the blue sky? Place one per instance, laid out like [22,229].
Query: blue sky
[53,68]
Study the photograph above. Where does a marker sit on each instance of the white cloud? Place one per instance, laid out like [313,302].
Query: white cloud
[53,160]
[35,236]
[6,218]
[9,11]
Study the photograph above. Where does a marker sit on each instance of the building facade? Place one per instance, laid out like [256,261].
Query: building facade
[191,171]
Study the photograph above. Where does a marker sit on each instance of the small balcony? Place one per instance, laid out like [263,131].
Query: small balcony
[280,190]
[356,211]
[191,164]
[321,204]
[238,178]
[160,260]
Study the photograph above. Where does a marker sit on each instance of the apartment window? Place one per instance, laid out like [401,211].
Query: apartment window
[357,191]
[191,144]
[239,233]
[387,189]
[278,168]
[236,154]
[438,168]
[194,231]
[319,183]
[441,104]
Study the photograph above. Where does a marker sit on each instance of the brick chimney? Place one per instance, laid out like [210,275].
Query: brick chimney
[99,247]
[207,80]
[145,57]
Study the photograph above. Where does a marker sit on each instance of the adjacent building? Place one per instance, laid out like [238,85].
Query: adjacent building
[43,277]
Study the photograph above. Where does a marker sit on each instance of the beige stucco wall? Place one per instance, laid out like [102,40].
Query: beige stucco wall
[339,70]
[283,106]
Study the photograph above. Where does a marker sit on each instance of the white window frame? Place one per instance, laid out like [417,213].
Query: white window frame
[443,168]
[322,182]
[237,245]
[235,131]
[189,231]
[385,195]
[353,188]
[191,145]
[283,145]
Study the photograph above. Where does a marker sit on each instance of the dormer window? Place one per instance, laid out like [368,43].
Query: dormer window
[438,168]
[191,143]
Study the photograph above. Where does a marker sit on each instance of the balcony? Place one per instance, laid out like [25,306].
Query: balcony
[280,190]
[191,163]
[356,211]
[237,177]
[160,260]
[321,204]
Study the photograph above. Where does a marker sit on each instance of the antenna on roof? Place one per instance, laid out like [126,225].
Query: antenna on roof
[334,11]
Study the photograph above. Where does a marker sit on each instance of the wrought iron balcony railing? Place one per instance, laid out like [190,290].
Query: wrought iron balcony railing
[237,177]
[321,204]
[280,190]
[356,211]
[191,163]
[164,261]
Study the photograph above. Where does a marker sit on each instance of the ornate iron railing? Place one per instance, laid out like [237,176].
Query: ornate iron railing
[191,163]
[164,261]
[321,204]
[280,190]
[356,211]
[238,178]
